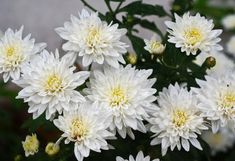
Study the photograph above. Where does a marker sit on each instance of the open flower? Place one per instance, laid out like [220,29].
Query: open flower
[139,157]
[94,40]
[30,145]
[15,51]
[127,95]
[193,33]
[86,127]
[217,99]
[49,84]
[178,120]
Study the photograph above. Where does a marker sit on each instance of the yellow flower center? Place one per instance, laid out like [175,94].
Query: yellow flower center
[118,97]
[13,56]
[53,84]
[193,36]
[93,37]
[10,51]
[31,144]
[179,118]
[228,100]
[78,129]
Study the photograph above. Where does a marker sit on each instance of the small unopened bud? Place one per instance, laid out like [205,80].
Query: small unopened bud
[210,62]
[52,149]
[132,58]
[153,46]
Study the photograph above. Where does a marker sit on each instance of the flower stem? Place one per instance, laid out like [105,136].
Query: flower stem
[108,5]
[118,7]
[89,6]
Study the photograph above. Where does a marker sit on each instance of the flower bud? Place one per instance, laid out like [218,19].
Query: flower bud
[132,58]
[210,62]
[52,149]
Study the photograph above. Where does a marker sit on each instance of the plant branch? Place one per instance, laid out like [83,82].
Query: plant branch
[118,7]
[108,5]
[89,6]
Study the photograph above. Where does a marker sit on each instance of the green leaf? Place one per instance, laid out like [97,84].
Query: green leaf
[143,9]
[138,45]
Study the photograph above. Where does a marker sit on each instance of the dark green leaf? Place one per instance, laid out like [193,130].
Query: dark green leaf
[143,9]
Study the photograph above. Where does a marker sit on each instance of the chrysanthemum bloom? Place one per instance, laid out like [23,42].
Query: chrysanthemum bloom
[229,22]
[220,141]
[49,84]
[94,40]
[217,99]
[86,127]
[153,46]
[178,121]
[139,157]
[127,95]
[30,145]
[15,51]
[231,46]
[193,34]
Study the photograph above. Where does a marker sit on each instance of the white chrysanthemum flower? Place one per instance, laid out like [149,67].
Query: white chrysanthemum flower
[217,99]
[153,46]
[223,63]
[193,33]
[86,127]
[126,93]
[229,22]
[178,121]
[49,84]
[94,40]
[220,141]
[30,145]
[15,51]
[140,157]
[231,46]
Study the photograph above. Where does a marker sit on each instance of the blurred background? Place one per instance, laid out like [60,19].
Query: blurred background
[40,18]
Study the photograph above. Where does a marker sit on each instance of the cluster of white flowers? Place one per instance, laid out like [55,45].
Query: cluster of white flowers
[117,98]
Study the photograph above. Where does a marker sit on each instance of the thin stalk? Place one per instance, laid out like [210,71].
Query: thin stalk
[118,7]
[89,6]
[108,5]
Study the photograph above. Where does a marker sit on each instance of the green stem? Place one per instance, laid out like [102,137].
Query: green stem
[108,5]
[169,66]
[118,7]
[89,6]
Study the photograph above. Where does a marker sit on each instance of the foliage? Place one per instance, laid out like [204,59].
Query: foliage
[169,67]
